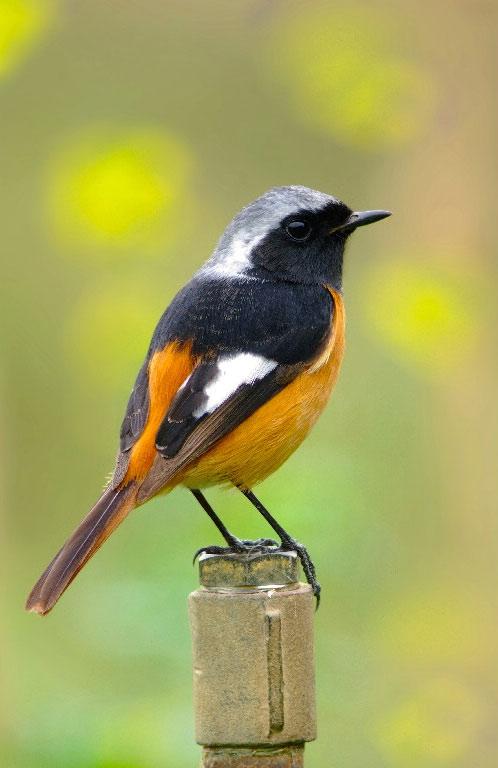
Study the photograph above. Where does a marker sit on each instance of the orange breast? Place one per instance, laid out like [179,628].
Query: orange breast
[266,439]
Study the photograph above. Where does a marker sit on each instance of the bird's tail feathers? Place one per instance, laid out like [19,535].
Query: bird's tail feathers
[104,517]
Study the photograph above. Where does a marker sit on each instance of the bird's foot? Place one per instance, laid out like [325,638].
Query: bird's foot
[247,546]
[239,546]
[288,543]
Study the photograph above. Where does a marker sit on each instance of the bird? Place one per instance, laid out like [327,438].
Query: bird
[239,368]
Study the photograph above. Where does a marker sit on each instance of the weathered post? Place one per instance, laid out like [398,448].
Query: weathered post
[252,633]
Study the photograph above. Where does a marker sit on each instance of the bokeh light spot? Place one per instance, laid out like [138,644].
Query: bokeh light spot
[118,191]
[426,316]
[115,190]
[22,23]
[434,727]
[344,80]
[108,334]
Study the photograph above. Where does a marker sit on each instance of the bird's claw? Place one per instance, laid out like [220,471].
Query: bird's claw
[307,564]
[247,546]
[239,546]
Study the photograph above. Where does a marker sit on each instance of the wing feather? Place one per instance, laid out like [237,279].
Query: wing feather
[212,427]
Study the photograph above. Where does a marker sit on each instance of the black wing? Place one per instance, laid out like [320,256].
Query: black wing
[181,440]
[190,407]
[137,410]
[194,423]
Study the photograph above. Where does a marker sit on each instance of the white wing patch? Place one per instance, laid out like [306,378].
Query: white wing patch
[232,372]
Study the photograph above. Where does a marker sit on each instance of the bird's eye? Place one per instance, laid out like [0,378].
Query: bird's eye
[298,229]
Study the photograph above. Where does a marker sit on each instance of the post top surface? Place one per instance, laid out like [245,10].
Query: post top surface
[258,569]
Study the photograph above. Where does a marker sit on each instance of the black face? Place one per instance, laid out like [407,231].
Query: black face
[302,249]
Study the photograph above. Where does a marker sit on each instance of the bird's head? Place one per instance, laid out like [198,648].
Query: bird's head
[290,233]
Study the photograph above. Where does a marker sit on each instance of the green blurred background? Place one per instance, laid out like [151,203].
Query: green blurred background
[130,133]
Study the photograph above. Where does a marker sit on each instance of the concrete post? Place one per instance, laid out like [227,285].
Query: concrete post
[252,632]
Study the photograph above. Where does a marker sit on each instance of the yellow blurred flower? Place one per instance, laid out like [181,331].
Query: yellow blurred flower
[22,23]
[108,335]
[343,79]
[121,189]
[427,316]
[434,727]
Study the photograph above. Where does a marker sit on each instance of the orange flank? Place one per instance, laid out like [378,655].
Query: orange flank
[256,448]
[168,369]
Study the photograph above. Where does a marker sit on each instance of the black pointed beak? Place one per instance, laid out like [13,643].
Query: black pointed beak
[361,219]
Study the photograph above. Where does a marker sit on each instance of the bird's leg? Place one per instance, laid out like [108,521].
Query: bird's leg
[288,543]
[234,544]
[229,538]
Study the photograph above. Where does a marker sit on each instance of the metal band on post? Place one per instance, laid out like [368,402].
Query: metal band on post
[252,632]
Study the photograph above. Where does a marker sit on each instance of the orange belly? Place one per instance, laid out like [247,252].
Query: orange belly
[259,446]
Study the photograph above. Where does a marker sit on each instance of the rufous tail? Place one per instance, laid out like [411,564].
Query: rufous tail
[104,517]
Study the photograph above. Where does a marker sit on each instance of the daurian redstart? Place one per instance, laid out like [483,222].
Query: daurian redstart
[239,369]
